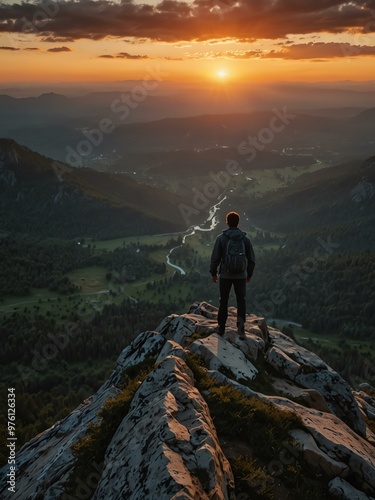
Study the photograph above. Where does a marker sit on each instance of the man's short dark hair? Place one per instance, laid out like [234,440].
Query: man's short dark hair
[233,219]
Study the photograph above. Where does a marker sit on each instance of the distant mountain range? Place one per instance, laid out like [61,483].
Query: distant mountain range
[41,197]
[337,119]
[55,126]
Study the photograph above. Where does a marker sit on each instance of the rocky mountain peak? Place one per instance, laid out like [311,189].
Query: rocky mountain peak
[187,414]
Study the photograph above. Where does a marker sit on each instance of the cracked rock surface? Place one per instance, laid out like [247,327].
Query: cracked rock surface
[166,446]
[165,443]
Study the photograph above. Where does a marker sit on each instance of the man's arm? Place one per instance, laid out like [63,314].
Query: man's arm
[250,256]
[215,258]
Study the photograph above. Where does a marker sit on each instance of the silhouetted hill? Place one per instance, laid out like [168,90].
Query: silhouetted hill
[50,141]
[207,131]
[41,197]
[33,110]
[343,194]
[365,115]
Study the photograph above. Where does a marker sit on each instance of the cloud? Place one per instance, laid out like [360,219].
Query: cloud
[227,54]
[176,21]
[58,39]
[311,51]
[321,51]
[9,48]
[60,49]
[123,55]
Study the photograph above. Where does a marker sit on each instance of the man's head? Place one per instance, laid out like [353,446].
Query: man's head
[232,219]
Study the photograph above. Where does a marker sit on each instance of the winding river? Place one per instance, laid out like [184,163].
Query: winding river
[208,225]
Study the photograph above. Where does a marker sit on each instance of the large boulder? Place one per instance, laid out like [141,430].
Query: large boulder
[302,356]
[338,396]
[338,441]
[178,328]
[345,491]
[308,370]
[282,362]
[219,354]
[316,457]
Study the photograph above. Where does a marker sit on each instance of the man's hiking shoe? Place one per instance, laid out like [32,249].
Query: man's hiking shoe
[220,330]
[241,330]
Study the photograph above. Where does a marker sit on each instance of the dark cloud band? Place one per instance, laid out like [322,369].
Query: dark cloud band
[173,20]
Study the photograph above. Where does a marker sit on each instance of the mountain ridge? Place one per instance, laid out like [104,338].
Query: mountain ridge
[141,130]
[181,394]
[35,190]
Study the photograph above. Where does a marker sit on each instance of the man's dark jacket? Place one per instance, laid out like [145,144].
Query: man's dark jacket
[219,251]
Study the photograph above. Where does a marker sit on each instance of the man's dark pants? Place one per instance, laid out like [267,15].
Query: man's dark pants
[225,285]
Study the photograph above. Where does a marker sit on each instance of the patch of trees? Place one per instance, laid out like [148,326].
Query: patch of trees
[25,339]
[331,292]
[130,263]
[33,263]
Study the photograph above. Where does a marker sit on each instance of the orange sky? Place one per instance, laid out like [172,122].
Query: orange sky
[89,40]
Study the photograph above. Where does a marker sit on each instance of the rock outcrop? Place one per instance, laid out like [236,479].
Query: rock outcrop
[166,445]
[307,370]
[166,437]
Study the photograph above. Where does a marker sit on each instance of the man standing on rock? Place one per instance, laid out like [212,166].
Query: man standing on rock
[234,253]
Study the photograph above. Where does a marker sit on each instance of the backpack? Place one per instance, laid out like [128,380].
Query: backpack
[235,256]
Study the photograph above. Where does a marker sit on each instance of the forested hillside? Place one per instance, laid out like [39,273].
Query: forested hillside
[47,199]
[341,195]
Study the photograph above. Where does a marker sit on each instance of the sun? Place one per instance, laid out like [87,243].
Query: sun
[222,73]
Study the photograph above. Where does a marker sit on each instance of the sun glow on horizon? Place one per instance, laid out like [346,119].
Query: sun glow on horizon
[222,73]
